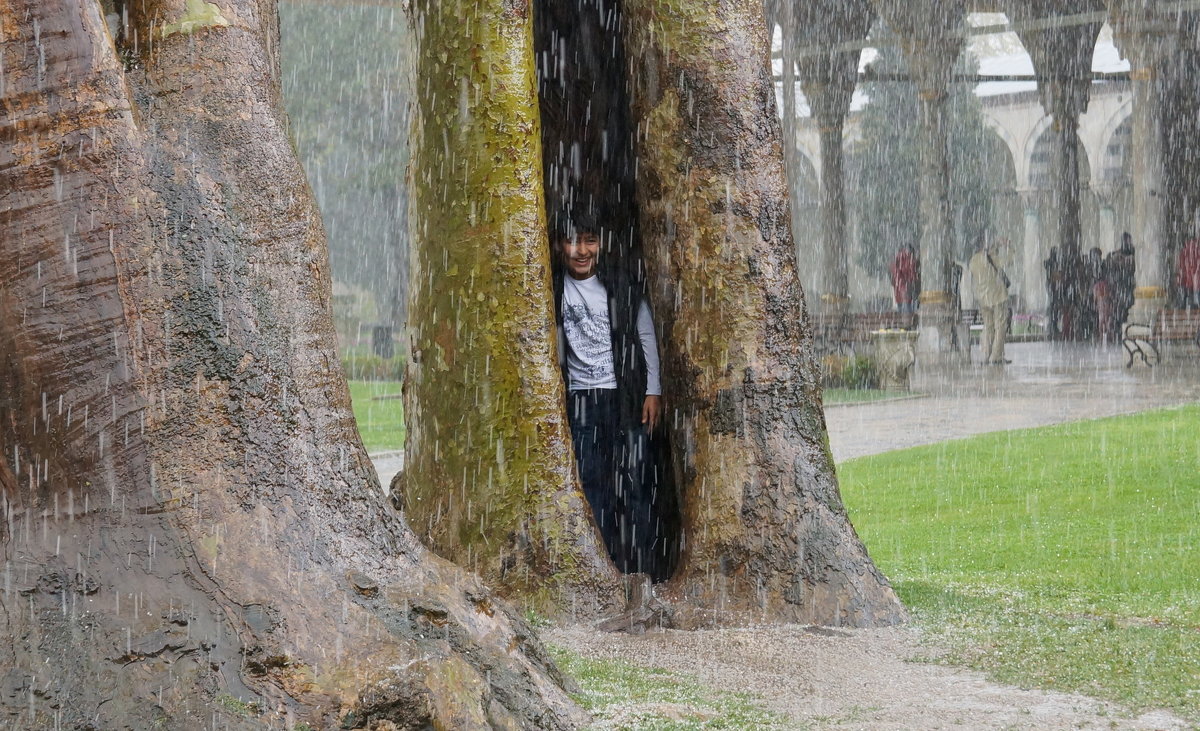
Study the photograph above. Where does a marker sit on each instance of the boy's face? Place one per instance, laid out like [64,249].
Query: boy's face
[580,254]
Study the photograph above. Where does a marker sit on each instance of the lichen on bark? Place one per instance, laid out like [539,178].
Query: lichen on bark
[489,480]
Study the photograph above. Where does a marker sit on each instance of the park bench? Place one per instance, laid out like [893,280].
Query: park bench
[1143,339]
[972,323]
[838,334]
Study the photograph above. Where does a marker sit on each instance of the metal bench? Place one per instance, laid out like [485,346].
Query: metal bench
[1142,339]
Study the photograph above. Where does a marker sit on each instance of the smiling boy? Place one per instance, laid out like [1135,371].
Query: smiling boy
[611,444]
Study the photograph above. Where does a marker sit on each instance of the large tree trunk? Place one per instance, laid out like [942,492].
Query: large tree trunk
[187,511]
[489,480]
[765,530]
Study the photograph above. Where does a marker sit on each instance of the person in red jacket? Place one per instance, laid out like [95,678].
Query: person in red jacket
[1187,274]
[903,270]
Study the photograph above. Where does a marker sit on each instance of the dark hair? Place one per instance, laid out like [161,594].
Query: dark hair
[570,222]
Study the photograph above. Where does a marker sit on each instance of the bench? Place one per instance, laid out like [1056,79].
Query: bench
[972,323]
[835,334]
[1142,340]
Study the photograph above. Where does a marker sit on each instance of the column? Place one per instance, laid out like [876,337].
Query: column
[931,64]
[1033,284]
[1062,59]
[829,75]
[830,102]
[931,38]
[1147,38]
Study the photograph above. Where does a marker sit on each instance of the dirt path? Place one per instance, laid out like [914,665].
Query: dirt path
[849,679]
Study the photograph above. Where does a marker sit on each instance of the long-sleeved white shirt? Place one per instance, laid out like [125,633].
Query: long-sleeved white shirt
[587,333]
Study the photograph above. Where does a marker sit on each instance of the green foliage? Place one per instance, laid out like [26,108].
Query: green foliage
[536,619]
[1063,557]
[622,695]
[237,706]
[380,420]
[853,372]
[884,165]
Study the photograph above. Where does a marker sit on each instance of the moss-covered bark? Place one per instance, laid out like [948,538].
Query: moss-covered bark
[766,534]
[489,480]
[188,514]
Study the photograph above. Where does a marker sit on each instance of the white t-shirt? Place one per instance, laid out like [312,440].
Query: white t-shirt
[586,329]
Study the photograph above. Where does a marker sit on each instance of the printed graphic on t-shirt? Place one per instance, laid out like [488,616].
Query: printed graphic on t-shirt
[587,333]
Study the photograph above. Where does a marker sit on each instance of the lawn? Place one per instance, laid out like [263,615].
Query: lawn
[861,395]
[380,420]
[1065,557]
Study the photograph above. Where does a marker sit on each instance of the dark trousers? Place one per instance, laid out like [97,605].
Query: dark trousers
[613,467]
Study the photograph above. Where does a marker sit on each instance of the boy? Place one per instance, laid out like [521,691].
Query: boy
[610,366]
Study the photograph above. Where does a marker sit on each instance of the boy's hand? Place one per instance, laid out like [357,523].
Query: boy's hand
[651,410]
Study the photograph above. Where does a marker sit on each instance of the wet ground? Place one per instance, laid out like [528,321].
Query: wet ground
[846,679]
[867,679]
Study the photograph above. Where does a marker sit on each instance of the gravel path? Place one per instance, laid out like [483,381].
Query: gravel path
[851,679]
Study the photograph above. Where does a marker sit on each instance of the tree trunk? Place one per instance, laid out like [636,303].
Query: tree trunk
[765,531]
[490,478]
[189,517]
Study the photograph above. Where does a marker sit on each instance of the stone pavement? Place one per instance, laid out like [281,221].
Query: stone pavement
[1046,383]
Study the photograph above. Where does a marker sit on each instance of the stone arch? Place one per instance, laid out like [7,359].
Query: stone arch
[1038,158]
[1027,150]
[1011,143]
[1114,156]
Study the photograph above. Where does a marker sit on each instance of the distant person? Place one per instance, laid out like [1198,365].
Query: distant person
[990,284]
[1075,290]
[1101,297]
[1054,290]
[1093,271]
[1119,273]
[1187,273]
[903,271]
[954,274]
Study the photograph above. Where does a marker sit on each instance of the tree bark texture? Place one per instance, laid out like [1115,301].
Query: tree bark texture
[188,514]
[765,532]
[490,477]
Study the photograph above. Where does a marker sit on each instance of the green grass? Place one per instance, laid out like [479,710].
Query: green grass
[237,706]
[622,695]
[380,422]
[860,395]
[1065,557]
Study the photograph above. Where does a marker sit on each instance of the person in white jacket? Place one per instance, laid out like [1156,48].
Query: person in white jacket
[990,285]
